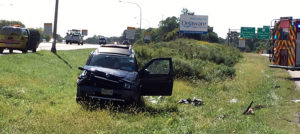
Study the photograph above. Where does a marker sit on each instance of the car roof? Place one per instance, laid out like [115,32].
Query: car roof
[115,49]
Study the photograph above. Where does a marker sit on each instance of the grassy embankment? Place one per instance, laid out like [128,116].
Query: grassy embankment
[37,95]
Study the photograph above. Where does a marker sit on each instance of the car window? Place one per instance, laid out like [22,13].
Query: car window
[159,67]
[113,61]
[10,31]
[24,32]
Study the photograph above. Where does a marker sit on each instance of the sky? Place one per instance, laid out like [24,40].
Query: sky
[111,17]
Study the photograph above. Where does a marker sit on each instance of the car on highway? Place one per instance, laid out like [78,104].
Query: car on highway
[74,38]
[125,42]
[17,38]
[102,41]
[111,73]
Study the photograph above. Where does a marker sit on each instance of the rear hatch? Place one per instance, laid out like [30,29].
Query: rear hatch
[11,36]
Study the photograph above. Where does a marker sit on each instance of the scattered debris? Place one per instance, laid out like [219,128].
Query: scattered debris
[233,100]
[195,101]
[249,110]
[277,86]
[221,117]
[22,91]
[258,107]
[154,100]
[295,101]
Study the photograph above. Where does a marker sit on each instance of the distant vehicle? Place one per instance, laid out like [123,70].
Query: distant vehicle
[125,42]
[73,36]
[16,38]
[102,41]
[111,73]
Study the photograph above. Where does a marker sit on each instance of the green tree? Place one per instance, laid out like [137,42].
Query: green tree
[185,11]
[10,23]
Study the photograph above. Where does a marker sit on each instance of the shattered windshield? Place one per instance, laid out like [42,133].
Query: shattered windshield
[113,62]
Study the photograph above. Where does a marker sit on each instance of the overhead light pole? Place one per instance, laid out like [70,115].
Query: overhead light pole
[53,49]
[140,14]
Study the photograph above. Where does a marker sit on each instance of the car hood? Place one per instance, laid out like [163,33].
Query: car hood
[112,73]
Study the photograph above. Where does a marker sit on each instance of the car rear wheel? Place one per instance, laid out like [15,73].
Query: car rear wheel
[34,50]
[24,50]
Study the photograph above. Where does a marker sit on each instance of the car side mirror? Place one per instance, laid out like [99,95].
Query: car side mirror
[81,68]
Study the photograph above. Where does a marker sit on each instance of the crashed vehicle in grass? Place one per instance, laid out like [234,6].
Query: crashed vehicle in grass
[111,73]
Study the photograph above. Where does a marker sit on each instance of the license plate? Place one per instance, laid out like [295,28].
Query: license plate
[107,91]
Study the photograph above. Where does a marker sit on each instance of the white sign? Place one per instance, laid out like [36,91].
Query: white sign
[242,43]
[193,23]
[48,28]
[130,33]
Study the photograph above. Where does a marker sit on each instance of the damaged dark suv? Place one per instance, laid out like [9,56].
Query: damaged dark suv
[111,73]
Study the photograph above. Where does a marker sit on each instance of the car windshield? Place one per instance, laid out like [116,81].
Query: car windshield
[10,31]
[113,61]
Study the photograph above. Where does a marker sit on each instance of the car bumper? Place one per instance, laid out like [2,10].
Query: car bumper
[96,93]
[14,46]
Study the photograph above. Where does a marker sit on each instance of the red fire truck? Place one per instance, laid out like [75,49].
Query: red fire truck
[285,40]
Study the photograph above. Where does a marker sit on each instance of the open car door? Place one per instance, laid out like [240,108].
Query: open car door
[157,77]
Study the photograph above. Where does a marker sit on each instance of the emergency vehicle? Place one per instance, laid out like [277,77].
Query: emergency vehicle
[17,38]
[285,42]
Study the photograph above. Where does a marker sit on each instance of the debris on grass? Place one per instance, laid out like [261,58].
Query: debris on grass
[233,100]
[249,110]
[295,101]
[156,100]
[195,101]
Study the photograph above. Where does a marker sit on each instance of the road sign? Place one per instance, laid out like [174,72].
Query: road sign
[147,36]
[84,32]
[48,28]
[242,43]
[193,23]
[130,33]
[248,32]
[263,33]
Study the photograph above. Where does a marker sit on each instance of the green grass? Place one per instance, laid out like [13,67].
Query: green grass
[37,95]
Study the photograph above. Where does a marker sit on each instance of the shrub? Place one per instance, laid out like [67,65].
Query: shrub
[193,59]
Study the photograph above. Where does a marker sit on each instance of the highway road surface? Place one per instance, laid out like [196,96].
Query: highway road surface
[59,46]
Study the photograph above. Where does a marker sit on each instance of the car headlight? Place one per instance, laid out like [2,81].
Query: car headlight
[83,73]
[129,86]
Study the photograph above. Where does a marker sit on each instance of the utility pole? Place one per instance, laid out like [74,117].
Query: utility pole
[53,49]
[228,37]
[140,14]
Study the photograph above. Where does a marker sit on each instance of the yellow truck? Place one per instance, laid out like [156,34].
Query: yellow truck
[16,38]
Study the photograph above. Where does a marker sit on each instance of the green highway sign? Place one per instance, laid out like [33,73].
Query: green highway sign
[263,33]
[248,32]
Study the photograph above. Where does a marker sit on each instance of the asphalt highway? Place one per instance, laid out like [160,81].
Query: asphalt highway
[59,46]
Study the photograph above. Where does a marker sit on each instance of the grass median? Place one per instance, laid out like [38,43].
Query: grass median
[37,95]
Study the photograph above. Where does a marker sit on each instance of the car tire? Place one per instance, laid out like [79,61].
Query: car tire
[11,50]
[34,50]
[24,50]
[1,50]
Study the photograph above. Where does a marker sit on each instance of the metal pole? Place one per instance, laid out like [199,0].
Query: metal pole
[140,14]
[53,49]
